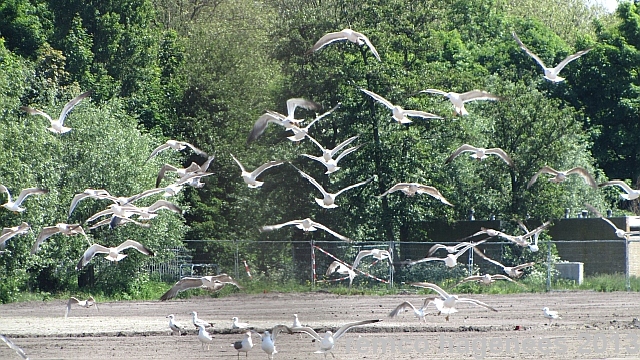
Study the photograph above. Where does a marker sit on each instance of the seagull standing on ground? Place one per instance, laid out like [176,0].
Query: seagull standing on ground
[458,100]
[631,194]
[400,114]
[113,253]
[550,74]
[551,315]
[480,153]
[560,176]
[204,337]
[305,225]
[15,205]
[244,345]
[411,189]
[57,126]
[237,324]
[328,340]
[250,178]
[82,303]
[199,322]
[346,34]
[175,326]
[446,304]
[268,339]
[296,321]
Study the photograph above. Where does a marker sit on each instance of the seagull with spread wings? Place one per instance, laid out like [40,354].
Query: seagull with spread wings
[453,248]
[377,254]
[419,313]
[300,133]
[66,229]
[400,114]
[446,303]
[176,145]
[513,271]
[411,189]
[631,194]
[342,269]
[328,199]
[328,340]
[332,164]
[15,205]
[485,279]
[305,225]
[212,283]
[193,168]
[560,176]
[250,178]
[113,253]
[458,100]
[619,232]
[550,74]
[81,303]
[451,260]
[57,126]
[289,122]
[9,232]
[268,339]
[480,153]
[346,34]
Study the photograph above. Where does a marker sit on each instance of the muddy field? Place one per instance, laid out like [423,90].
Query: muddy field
[593,326]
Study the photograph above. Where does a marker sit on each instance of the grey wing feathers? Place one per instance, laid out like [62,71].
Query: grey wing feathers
[45,233]
[544,170]
[341,237]
[28,192]
[344,328]
[127,244]
[309,331]
[278,329]
[160,148]
[260,126]
[355,186]
[181,285]
[370,45]
[265,166]
[401,308]
[502,154]
[71,104]
[474,95]
[32,111]
[90,253]
[460,150]
[327,39]
[524,47]
[585,175]
[569,59]
[224,278]
[163,170]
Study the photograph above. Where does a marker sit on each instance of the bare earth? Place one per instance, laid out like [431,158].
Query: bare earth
[593,326]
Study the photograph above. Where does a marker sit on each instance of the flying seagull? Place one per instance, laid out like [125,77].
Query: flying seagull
[82,303]
[485,279]
[346,34]
[619,232]
[377,254]
[550,74]
[213,283]
[47,232]
[631,194]
[332,164]
[400,114]
[175,326]
[89,193]
[452,249]
[446,303]
[513,271]
[328,199]
[193,168]
[244,345]
[458,100]
[328,340]
[300,133]
[15,205]
[411,189]
[341,269]
[288,122]
[419,313]
[250,178]
[305,225]
[14,347]
[113,253]
[268,339]
[9,232]
[57,126]
[560,176]
[176,145]
[451,260]
[480,153]
[328,154]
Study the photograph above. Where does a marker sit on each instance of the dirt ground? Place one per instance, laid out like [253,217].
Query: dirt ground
[593,326]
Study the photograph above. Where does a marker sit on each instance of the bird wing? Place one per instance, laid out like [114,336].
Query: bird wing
[303,103]
[433,287]
[522,266]
[569,59]
[226,279]
[264,167]
[501,153]
[195,149]
[523,47]
[460,150]
[5,190]
[469,278]
[322,148]
[312,181]
[537,230]
[585,175]
[402,308]
[623,185]
[502,277]
[435,248]
[421,114]
[343,144]
[261,125]
[163,170]
[320,226]
[28,192]
[394,188]
[354,186]
[83,195]
[15,347]
[142,195]
[278,226]
[278,329]
[71,104]
[434,91]
[191,176]
[32,111]
[344,328]
[433,192]
[475,302]
[71,301]
[206,164]
[360,255]
[327,39]
[378,98]
[479,253]
[545,170]
[238,162]
[11,232]
[160,148]
[369,44]
[320,117]
[332,268]
[45,233]
[308,331]
[90,253]
[347,152]
[181,285]
[426,260]
[164,204]
[136,245]
[475,95]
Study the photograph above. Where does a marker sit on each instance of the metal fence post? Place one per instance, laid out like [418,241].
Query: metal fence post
[392,251]
[313,263]
[549,266]
[627,266]
[236,256]
[470,262]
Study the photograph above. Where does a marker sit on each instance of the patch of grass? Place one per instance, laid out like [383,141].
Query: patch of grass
[609,282]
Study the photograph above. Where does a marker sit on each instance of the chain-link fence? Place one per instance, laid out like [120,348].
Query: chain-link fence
[308,261]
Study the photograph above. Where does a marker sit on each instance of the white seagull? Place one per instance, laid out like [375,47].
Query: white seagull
[485,279]
[250,178]
[458,100]
[199,322]
[419,313]
[305,225]
[113,253]
[9,232]
[193,168]
[244,345]
[332,164]
[446,304]
[15,205]
[451,249]
[346,34]
[560,176]
[512,271]
[550,74]
[377,254]
[268,339]
[341,269]
[57,126]
[14,347]
[411,189]
[288,122]
[213,283]
[175,326]
[296,321]
[176,145]
[328,340]
[237,324]
[204,337]
[300,133]
[400,114]
[47,232]
[82,303]
[480,153]
[450,261]
[328,154]
[619,232]
[92,194]
[551,315]
[328,199]
[631,194]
